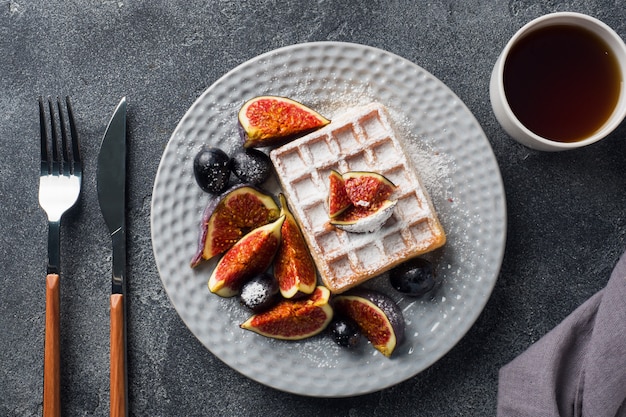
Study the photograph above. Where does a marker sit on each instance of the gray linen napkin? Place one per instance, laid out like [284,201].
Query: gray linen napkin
[579,368]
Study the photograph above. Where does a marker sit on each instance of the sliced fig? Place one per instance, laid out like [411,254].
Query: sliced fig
[338,199]
[367,189]
[294,319]
[364,219]
[379,318]
[228,218]
[250,256]
[293,266]
[270,120]
[363,206]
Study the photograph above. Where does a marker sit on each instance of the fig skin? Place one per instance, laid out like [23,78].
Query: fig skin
[250,256]
[363,219]
[211,168]
[416,277]
[294,319]
[204,231]
[251,166]
[260,292]
[272,120]
[293,266]
[378,317]
[345,333]
[222,217]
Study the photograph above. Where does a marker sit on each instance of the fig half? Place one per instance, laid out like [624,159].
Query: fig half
[367,189]
[338,199]
[250,256]
[363,219]
[226,219]
[364,205]
[293,266]
[294,319]
[270,120]
[379,318]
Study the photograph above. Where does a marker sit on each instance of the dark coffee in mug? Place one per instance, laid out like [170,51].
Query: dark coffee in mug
[562,82]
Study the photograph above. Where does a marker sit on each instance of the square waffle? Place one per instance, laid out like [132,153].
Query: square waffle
[362,139]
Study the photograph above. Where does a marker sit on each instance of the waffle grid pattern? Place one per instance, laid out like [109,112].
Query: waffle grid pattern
[360,140]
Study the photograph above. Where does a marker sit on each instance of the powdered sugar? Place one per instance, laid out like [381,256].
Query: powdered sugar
[362,139]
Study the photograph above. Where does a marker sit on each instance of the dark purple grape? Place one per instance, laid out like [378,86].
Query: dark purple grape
[211,167]
[259,293]
[345,333]
[415,277]
[251,166]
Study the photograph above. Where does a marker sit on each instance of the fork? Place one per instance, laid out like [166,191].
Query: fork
[59,187]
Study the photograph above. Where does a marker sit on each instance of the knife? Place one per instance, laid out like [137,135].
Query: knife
[112,197]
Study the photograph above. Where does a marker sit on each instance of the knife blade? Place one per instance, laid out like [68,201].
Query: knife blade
[111,180]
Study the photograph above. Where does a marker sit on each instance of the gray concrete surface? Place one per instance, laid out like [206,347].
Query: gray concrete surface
[566,211]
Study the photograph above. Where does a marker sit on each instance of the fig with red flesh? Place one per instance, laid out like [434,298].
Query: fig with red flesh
[378,317]
[367,189]
[370,206]
[227,219]
[364,219]
[294,319]
[293,266]
[250,256]
[270,120]
[338,200]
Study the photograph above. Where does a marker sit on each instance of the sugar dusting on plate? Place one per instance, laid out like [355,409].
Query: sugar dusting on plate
[432,167]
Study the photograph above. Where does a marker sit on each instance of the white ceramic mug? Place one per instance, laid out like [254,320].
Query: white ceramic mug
[512,124]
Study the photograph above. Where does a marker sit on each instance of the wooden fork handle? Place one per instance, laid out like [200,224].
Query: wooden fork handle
[118,357]
[52,350]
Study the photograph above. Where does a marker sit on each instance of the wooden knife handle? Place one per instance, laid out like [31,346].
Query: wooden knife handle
[118,357]
[52,350]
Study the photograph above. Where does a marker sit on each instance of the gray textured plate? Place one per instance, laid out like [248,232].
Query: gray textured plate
[451,154]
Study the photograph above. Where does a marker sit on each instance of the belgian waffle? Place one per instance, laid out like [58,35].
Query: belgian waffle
[362,139]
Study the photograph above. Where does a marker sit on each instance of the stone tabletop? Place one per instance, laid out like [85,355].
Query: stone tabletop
[566,211]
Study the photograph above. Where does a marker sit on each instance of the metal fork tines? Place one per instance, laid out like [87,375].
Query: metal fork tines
[59,187]
[61,170]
